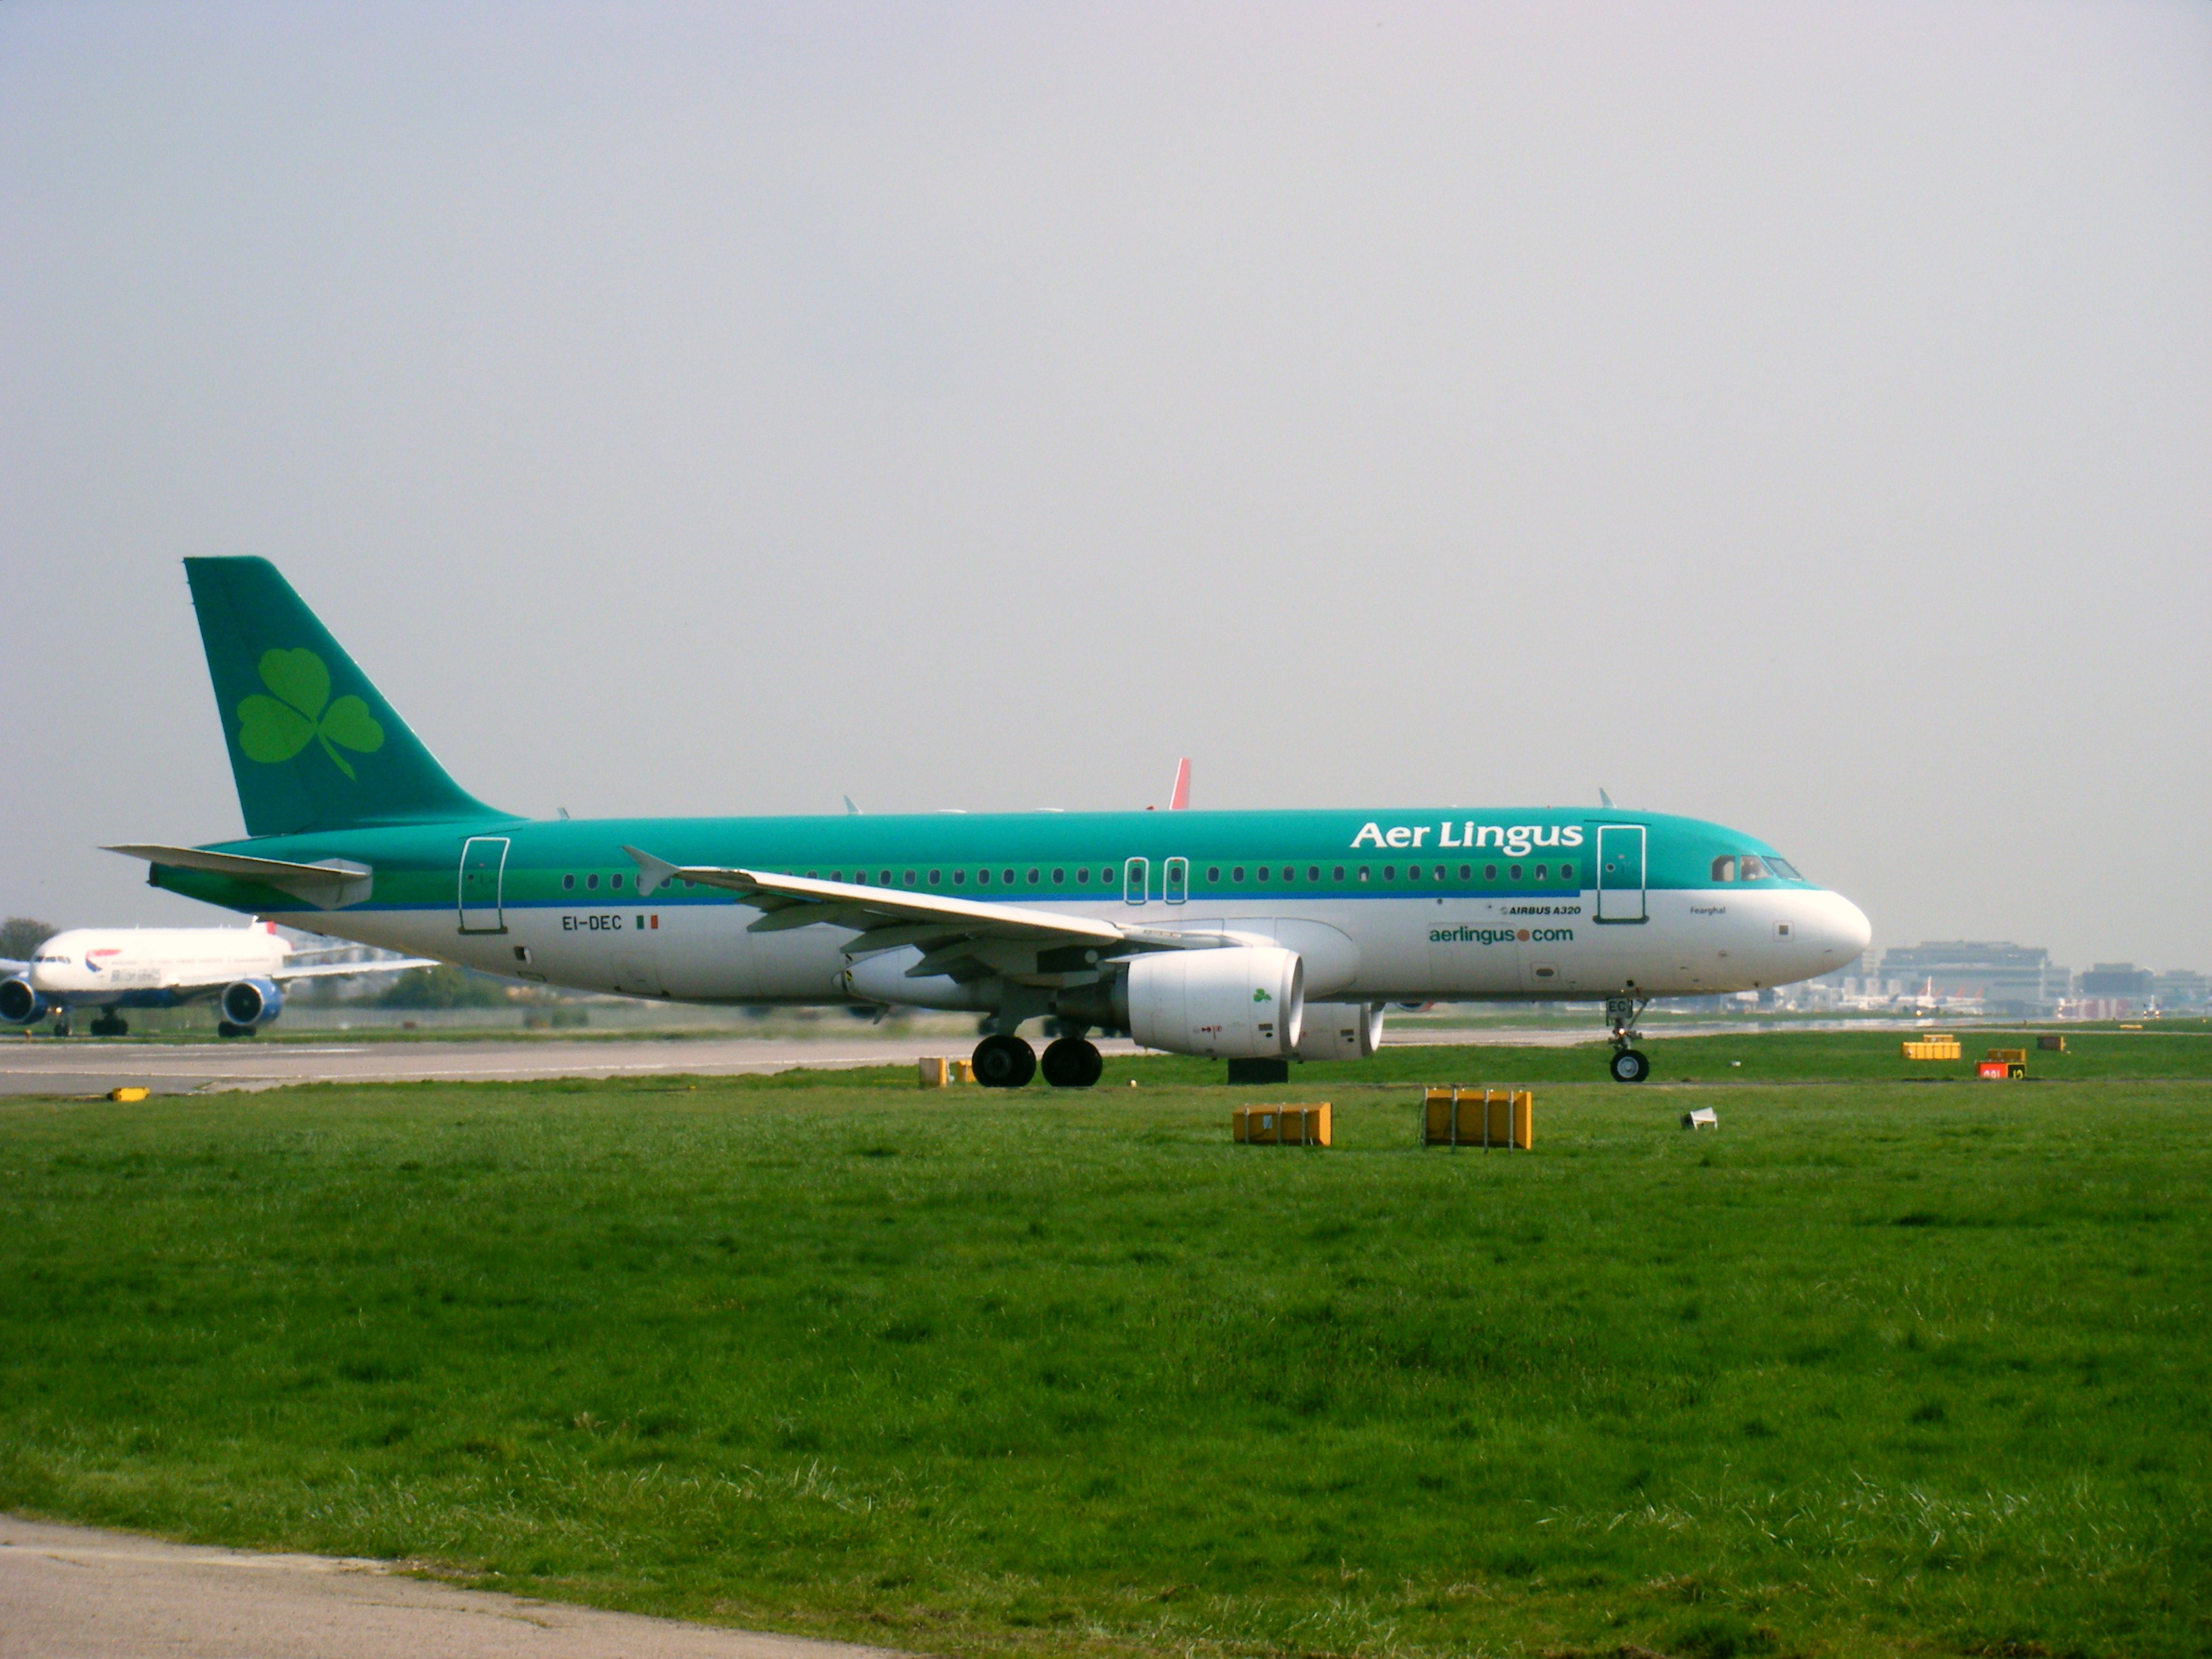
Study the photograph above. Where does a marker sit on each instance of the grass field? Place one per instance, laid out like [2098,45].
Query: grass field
[1881,1366]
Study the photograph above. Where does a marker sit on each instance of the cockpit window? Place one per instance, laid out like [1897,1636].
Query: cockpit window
[1783,869]
[1752,869]
[1724,867]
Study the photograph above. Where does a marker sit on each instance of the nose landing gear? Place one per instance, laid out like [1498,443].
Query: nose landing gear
[1629,1064]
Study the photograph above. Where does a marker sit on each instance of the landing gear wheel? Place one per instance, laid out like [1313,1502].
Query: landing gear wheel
[224,1028]
[1004,1062]
[1630,1065]
[61,1028]
[1071,1063]
[109,1025]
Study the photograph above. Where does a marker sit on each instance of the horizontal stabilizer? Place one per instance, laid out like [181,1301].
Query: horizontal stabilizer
[329,884]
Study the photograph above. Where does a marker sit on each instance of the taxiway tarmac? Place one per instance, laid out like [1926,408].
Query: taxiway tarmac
[42,1065]
[78,1593]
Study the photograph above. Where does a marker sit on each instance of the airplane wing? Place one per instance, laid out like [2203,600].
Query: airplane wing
[8,968]
[345,969]
[964,938]
[328,885]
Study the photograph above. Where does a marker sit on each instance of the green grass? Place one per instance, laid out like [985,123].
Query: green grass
[1878,1367]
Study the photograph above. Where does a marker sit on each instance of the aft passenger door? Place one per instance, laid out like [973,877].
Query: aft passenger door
[484,862]
[1621,848]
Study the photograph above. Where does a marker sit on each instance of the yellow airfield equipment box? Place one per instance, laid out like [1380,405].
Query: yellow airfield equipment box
[1934,1046]
[937,1071]
[1504,1118]
[128,1093]
[1281,1126]
[2049,1044]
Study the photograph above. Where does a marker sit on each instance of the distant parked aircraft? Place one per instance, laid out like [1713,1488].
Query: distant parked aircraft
[242,970]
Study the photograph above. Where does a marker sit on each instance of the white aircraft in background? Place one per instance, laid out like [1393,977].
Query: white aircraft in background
[242,970]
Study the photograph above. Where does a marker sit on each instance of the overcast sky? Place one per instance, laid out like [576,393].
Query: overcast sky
[1793,415]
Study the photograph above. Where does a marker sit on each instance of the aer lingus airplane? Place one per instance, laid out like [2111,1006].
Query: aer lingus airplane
[1242,935]
[242,970]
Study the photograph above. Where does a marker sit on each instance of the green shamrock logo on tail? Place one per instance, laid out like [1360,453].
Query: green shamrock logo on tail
[275,728]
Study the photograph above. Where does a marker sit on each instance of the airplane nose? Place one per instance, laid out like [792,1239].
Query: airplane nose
[1849,926]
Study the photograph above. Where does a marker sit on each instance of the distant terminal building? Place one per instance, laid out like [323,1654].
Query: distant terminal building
[2008,978]
[2181,988]
[2119,978]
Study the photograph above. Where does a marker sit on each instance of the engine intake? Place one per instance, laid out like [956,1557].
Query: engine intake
[18,1004]
[251,1001]
[1241,1003]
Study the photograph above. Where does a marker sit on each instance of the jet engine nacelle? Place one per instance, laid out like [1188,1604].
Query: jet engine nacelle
[1340,1030]
[251,1001]
[1240,1003]
[18,1004]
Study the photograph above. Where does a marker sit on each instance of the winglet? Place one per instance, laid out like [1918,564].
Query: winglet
[1604,799]
[1179,801]
[652,873]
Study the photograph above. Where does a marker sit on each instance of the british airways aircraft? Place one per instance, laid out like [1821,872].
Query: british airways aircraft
[1247,936]
[242,970]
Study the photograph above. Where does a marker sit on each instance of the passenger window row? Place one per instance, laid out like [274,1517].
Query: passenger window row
[1726,868]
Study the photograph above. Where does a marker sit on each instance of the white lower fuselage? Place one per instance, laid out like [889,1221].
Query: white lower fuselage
[1364,950]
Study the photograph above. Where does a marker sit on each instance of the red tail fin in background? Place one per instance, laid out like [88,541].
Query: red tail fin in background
[1179,801]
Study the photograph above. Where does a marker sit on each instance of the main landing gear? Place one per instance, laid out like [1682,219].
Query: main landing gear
[110,1025]
[1629,1064]
[1071,1062]
[1006,1062]
[225,1028]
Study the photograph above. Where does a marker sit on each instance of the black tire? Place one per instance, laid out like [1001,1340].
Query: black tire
[1071,1063]
[224,1028]
[1630,1065]
[108,1025]
[122,1027]
[61,1028]
[1004,1062]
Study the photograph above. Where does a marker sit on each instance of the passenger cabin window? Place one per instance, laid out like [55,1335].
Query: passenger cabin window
[934,878]
[1338,873]
[1389,872]
[1313,873]
[1490,872]
[1214,872]
[1543,873]
[959,878]
[1083,877]
[1724,867]
[1467,872]
[983,878]
[568,883]
[592,882]
[1516,872]
[1059,876]
[1566,873]
[615,882]
[1362,873]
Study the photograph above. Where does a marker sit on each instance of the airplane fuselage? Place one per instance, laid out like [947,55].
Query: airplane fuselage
[1408,905]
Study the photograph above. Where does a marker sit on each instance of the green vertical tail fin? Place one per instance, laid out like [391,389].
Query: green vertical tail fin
[312,743]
